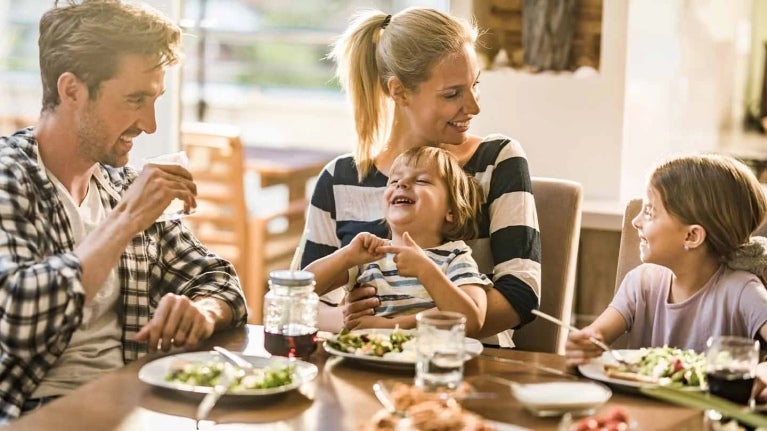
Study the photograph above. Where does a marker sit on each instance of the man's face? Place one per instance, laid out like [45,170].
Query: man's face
[122,110]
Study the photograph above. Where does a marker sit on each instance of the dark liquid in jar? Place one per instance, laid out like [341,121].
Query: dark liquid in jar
[735,386]
[292,346]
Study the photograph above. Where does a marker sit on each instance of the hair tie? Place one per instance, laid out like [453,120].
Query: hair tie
[751,256]
[386,22]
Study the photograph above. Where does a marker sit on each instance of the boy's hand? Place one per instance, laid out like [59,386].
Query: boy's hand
[365,248]
[409,258]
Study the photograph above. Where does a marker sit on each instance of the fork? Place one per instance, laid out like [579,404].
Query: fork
[597,342]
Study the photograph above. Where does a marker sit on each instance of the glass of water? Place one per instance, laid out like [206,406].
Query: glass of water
[175,209]
[439,349]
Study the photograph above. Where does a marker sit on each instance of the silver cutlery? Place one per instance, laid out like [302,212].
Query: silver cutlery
[234,358]
[212,397]
[384,398]
[597,342]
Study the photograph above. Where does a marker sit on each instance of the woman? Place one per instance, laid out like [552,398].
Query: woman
[412,79]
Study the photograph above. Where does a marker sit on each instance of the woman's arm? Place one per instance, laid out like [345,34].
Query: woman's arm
[320,229]
[511,222]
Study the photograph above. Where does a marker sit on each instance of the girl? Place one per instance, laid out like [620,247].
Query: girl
[701,273]
[413,81]
[430,206]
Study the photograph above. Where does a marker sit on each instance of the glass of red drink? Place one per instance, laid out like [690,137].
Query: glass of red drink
[731,369]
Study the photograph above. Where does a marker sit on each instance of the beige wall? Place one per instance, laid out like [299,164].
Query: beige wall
[671,78]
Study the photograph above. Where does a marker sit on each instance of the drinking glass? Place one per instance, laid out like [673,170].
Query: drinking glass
[439,349]
[175,209]
[731,369]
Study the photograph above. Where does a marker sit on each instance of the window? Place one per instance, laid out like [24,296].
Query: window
[258,64]
[261,65]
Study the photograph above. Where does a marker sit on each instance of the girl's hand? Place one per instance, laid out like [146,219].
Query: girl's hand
[579,350]
[364,248]
[409,258]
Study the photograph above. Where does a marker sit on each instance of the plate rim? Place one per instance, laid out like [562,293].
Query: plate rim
[594,370]
[305,372]
[399,362]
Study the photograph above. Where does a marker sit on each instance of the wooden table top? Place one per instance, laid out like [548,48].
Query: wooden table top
[340,398]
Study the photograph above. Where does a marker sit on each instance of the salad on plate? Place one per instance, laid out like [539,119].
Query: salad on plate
[396,344]
[666,366]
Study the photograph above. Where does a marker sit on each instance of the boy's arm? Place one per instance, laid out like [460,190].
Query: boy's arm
[403,322]
[330,272]
[469,300]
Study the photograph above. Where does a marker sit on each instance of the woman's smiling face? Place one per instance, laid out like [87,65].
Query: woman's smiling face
[441,108]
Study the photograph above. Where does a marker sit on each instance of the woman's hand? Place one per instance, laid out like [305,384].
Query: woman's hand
[360,302]
[579,350]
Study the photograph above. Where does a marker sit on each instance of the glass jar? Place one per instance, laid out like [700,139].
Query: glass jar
[290,314]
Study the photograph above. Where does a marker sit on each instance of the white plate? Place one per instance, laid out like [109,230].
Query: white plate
[472,347]
[557,398]
[154,373]
[595,370]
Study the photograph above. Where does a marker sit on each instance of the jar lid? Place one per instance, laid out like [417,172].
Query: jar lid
[291,278]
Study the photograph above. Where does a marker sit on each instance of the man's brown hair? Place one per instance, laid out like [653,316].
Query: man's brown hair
[89,38]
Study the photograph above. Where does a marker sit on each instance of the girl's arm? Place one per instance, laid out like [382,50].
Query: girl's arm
[607,327]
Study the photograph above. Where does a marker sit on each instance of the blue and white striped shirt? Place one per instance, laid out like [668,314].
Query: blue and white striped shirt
[406,295]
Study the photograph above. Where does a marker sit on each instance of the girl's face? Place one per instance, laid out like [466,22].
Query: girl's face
[661,235]
[416,201]
[440,109]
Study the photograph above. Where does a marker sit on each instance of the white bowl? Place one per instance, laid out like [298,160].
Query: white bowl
[557,398]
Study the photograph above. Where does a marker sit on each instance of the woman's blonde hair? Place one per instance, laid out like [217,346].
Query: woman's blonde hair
[464,193]
[714,191]
[376,47]
[89,38]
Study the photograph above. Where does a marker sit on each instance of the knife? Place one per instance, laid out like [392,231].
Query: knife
[233,358]
[210,399]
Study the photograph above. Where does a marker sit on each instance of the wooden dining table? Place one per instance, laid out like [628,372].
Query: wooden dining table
[339,398]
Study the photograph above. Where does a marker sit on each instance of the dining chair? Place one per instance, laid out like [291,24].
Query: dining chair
[628,251]
[222,221]
[558,204]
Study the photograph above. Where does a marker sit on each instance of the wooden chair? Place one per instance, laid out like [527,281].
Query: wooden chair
[558,203]
[222,221]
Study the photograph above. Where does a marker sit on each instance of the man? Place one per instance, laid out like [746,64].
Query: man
[88,279]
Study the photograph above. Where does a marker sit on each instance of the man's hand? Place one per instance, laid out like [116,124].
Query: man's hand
[360,302]
[178,322]
[154,189]
[409,258]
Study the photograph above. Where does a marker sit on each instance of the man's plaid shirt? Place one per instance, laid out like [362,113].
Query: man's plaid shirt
[41,293]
